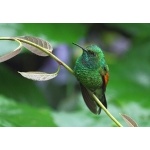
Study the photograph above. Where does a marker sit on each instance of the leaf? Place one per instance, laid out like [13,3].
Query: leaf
[39,76]
[58,32]
[13,114]
[129,120]
[36,41]
[11,54]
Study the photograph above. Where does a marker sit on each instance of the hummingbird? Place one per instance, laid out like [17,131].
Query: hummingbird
[92,72]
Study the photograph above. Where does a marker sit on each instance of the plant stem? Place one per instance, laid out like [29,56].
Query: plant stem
[48,52]
[106,111]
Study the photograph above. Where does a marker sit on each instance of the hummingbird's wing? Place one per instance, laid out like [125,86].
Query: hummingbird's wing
[100,93]
[88,99]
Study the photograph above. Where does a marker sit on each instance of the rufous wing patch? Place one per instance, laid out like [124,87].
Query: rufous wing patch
[106,78]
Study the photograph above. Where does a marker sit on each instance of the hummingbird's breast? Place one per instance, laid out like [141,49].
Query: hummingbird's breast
[88,76]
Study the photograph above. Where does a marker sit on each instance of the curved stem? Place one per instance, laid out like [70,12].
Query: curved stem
[68,68]
[106,111]
[49,53]
[40,48]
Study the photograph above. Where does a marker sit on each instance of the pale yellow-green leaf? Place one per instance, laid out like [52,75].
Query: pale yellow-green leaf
[129,121]
[39,76]
[36,41]
[11,54]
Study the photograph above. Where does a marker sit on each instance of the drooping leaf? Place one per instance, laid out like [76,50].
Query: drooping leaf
[39,76]
[129,120]
[11,54]
[36,41]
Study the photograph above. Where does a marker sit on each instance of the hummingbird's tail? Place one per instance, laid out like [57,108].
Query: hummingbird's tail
[103,101]
[101,96]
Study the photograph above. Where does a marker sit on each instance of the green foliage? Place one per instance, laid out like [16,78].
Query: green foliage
[61,33]
[15,114]
[20,89]
[138,30]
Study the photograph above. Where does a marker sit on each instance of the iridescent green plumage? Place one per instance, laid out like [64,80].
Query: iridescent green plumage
[91,71]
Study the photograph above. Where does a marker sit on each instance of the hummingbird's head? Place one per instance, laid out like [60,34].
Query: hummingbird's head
[92,55]
[94,51]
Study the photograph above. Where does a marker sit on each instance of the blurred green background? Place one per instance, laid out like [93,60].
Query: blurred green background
[59,102]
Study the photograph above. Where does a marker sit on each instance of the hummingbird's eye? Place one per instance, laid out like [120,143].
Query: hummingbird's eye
[92,53]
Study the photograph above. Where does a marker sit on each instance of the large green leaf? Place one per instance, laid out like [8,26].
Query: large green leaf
[137,30]
[15,114]
[130,77]
[84,117]
[59,32]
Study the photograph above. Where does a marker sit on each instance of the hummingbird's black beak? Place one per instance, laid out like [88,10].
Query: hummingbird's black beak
[80,47]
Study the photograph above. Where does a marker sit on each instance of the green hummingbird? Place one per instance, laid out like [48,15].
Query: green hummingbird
[92,72]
